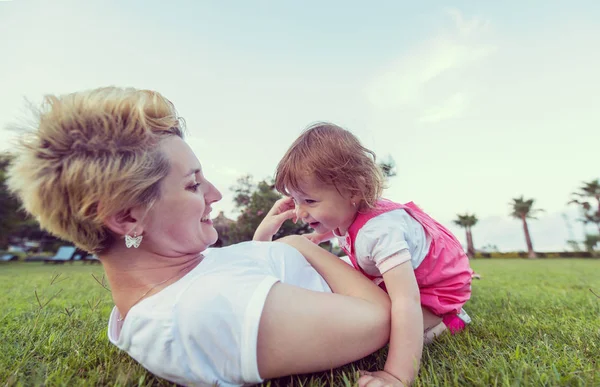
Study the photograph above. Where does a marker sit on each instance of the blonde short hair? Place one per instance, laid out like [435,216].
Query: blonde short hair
[333,156]
[92,154]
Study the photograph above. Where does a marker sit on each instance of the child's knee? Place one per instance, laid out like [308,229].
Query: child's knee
[431,334]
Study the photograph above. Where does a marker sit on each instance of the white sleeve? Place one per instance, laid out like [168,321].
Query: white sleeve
[219,328]
[382,240]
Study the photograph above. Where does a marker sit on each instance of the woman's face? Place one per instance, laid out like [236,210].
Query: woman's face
[179,221]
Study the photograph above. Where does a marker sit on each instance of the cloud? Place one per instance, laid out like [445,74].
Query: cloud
[425,83]
[454,106]
[467,27]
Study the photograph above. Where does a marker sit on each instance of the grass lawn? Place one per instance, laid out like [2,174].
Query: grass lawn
[535,323]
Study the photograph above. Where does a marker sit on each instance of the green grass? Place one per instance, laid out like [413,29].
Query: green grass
[535,323]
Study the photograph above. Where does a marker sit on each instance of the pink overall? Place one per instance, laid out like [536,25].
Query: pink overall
[444,276]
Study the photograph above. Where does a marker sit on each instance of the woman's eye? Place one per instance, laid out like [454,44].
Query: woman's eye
[194,187]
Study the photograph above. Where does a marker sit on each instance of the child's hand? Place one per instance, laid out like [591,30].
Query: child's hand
[317,238]
[377,379]
[314,237]
[282,210]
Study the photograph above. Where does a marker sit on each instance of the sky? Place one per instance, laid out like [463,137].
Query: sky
[476,102]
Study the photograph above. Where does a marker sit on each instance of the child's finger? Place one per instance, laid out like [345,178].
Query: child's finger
[283,204]
[288,203]
[289,214]
[278,205]
[366,381]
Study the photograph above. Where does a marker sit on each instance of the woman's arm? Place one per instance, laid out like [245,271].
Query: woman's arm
[341,277]
[306,331]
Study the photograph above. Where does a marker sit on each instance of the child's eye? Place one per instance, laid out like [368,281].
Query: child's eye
[310,201]
[194,187]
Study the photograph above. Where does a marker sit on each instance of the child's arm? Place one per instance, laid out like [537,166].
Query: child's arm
[406,335]
[384,241]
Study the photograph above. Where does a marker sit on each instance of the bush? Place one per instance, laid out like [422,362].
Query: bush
[522,254]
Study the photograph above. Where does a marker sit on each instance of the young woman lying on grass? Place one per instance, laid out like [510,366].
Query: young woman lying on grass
[108,170]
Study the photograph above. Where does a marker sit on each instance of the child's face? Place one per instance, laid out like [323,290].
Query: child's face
[323,207]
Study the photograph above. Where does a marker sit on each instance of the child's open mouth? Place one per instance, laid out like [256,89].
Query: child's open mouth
[314,224]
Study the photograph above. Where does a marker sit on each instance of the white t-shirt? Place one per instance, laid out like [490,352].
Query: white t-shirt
[203,328]
[388,240]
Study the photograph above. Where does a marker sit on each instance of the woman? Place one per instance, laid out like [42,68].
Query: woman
[108,170]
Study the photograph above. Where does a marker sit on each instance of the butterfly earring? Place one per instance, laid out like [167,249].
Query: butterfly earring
[133,241]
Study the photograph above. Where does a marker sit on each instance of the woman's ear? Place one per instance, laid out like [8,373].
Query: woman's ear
[125,222]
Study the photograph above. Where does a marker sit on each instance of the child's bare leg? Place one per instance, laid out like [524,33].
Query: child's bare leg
[430,320]
[432,325]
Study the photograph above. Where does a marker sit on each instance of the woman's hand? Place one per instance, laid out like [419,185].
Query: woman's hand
[282,210]
[378,379]
[299,242]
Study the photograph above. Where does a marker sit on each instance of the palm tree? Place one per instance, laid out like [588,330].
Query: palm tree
[589,190]
[467,221]
[523,209]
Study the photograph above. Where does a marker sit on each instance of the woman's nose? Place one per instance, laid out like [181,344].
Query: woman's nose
[213,195]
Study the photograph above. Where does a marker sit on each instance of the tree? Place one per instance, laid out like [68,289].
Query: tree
[11,216]
[467,221]
[589,190]
[16,226]
[591,240]
[490,248]
[523,209]
[254,201]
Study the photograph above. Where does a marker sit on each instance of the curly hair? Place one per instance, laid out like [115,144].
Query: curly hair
[333,156]
[92,154]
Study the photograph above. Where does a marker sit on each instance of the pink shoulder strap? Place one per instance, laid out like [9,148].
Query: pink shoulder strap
[382,206]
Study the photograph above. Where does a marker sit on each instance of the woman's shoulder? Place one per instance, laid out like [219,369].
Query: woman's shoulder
[247,260]
[236,271]
[228,281]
